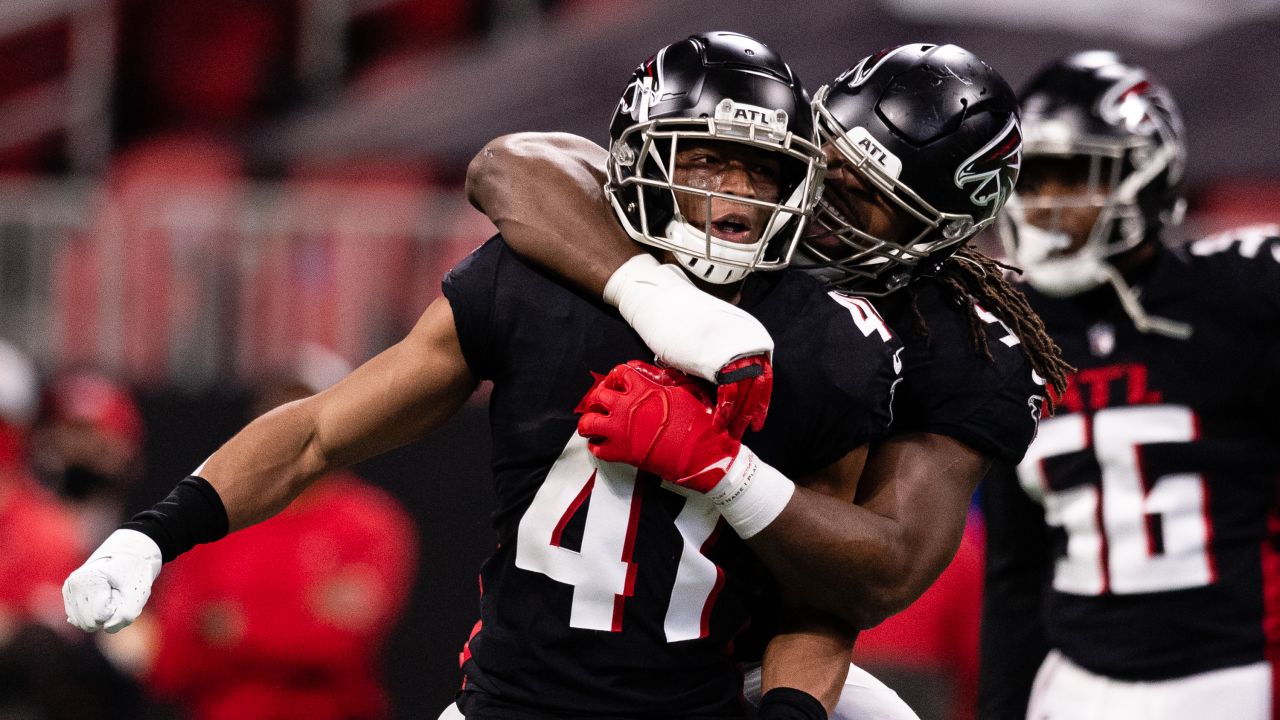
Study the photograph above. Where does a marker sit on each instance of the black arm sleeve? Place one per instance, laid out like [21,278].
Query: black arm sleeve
[192,514]
[1012,636]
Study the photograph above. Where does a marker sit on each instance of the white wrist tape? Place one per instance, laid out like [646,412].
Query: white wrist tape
[752,494]
[685,327]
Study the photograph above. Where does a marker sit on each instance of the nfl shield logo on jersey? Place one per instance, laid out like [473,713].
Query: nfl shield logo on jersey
[1102,339]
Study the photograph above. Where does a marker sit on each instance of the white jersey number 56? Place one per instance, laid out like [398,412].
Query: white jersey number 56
[1128,533]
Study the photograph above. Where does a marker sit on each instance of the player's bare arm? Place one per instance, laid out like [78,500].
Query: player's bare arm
[878,558]
[811,650]
[394,398]
[544,193]
[858,562]
[810,653]
[867,561]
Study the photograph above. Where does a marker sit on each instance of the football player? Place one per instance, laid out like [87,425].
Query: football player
[922,147]
[610,595]
[1136,543]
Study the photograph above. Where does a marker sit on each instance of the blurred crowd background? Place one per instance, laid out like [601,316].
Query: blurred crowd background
[209,208]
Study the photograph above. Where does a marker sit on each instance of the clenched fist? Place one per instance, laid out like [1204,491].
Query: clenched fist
[110,589]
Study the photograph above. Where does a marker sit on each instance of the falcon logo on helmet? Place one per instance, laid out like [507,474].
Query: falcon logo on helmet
[644,91]
[1136,102]
[994,168]
[861,72]
[1143,107]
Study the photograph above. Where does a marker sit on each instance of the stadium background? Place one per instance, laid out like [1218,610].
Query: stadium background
[191,191]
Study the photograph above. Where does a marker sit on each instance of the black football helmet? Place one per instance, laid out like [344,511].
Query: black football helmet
[1117,131]
[720,86]
[932,129]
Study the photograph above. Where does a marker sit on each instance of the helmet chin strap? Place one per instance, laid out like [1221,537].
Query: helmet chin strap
[1057,277]
[693,256]
[1084,270]
[709,270]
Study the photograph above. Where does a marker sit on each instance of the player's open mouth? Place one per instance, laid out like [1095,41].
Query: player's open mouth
[734,227]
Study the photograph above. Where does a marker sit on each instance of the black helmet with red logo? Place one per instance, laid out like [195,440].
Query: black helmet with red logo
[714,86]
[1111,129]
[929,131]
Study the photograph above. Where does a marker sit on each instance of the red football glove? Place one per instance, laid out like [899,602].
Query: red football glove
[659,420]
[742,395]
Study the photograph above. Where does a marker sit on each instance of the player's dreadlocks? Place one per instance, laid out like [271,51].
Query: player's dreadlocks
[971,276]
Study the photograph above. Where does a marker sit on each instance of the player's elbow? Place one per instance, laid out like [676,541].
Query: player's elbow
[480,172]
[874,606]
[888,592]
[307,456]
[495,165]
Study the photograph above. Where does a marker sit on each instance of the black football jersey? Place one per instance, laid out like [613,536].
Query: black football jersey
[1157,475]
[949,388]
[946,387]
[610,596]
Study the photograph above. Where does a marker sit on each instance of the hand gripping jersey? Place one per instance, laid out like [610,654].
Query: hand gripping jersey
[609,595]
[1157,476]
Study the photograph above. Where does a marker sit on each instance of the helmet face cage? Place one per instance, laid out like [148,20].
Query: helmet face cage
[711,88]
[1118,171]
[1126,126]
[860,257]
[935,131]
[642,187]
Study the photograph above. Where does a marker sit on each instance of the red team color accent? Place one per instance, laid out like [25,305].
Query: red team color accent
[1270,557]
[573,509]
[628,550]
[705,623]
[286,618]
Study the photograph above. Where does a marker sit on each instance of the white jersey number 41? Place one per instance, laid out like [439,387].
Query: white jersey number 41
[602,572]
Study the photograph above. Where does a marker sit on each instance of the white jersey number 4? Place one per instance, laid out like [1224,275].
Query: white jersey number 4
[1128,533]
[602,572]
